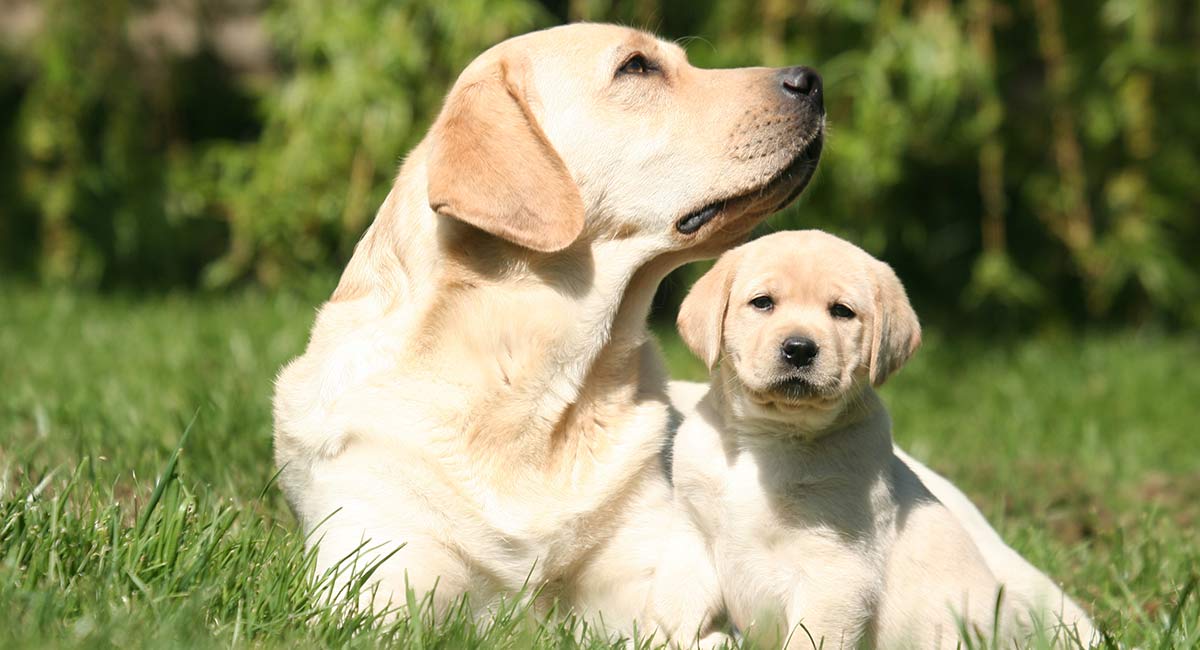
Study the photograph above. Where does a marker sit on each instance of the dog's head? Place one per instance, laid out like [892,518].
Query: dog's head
[607,132]
[802,321]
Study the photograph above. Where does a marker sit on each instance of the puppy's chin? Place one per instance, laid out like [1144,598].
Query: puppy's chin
[803,406]
[801,392]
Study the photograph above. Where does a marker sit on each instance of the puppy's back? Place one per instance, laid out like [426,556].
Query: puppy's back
[938,583]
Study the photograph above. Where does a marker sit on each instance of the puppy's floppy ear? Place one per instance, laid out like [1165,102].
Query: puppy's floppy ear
[701,319]
[896,332]
[490,165]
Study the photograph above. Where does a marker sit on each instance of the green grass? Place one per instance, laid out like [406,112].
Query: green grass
[1082,452]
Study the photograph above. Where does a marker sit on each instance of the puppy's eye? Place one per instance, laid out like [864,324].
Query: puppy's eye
[838,310]
[636,65]
[762,303]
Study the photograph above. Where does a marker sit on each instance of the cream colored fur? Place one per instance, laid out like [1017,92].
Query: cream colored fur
[818,531]
[481,393]
[1027,588]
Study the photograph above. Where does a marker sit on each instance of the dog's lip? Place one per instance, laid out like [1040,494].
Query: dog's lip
[797,392]
[692,222]
[803,163]
[798,383]
[806,164]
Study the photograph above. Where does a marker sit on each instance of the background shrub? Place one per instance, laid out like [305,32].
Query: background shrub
[1025,164]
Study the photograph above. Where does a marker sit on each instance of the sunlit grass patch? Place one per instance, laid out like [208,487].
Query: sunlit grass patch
[1081,450]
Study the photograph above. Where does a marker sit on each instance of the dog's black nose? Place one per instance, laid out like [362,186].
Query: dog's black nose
[802,82]
[799,351]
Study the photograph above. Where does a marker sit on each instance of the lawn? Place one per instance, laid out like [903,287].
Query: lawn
[1081,450]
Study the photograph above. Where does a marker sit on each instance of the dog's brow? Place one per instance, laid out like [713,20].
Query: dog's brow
[650,46]
[642,41]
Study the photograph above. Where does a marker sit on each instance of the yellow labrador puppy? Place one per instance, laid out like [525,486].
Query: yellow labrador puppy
[818,530]
[480,407]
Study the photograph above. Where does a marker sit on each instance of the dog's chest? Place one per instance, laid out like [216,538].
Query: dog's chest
[782,517]
[777,492]
[775,510]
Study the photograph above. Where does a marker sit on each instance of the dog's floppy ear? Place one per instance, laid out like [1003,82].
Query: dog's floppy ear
[896,332]
[490,165]
[701,319]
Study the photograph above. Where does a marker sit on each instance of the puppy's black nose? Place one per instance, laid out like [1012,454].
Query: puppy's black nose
[799,351]
[803,83]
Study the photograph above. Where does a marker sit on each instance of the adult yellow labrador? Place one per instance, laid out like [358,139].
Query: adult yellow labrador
[481,387]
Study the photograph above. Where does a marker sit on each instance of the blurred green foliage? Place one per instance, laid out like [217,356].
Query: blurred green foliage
[1030,162]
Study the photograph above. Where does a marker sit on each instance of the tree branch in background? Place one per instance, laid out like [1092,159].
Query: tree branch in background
[1069,218]
[991,113]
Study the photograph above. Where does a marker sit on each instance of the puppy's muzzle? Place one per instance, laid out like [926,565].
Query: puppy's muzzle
[799,351]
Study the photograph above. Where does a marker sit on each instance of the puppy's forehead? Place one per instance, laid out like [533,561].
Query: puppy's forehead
[804,265]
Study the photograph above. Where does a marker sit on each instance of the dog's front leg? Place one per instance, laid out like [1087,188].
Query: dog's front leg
[832,605]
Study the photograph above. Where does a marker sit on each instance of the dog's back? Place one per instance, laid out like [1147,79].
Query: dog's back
[939,587]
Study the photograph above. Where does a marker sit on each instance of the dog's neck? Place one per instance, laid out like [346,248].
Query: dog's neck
[556,317]
[550,347]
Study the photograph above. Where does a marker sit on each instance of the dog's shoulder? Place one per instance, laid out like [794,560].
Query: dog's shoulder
[686,395]
[700,456]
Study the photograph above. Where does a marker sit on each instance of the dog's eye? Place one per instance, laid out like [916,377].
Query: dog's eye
[762,303]
[838,310]
[636,65]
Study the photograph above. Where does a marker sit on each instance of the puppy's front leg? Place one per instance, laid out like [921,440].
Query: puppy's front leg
[832,605]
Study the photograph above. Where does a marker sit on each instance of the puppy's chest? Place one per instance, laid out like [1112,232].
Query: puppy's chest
[785,525]
[784,507]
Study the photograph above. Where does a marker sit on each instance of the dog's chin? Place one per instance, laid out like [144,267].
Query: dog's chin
[734,216]
[798,396]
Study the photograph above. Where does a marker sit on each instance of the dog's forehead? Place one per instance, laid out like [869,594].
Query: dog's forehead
[577,43]
[804,266]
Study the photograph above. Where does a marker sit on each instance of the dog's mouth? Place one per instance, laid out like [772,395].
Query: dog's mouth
[695,221]
[794,176]
[798,393]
